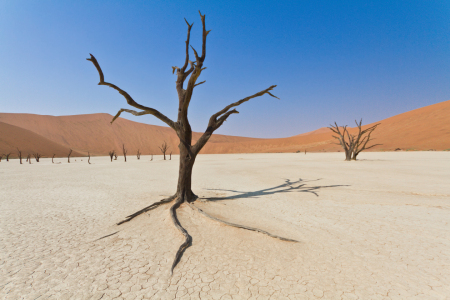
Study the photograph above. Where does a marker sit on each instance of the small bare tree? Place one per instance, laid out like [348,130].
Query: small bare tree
[164,148]
[7,156]
[111,154]
[68,156]
[138,154]
[89,158]
[115,155]
[20,155]
[170,157]
[152,158]
[353,144]
[1,156]
[124,152]
[182,127]
[29,159]
[362,139]
[37,156]
[53,158]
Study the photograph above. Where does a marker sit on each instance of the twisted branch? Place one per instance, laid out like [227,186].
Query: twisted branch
[130,100]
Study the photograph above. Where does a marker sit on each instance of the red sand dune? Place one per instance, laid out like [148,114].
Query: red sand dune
[421,129]
[13,137]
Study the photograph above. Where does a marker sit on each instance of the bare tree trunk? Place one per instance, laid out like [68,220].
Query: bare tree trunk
[124,152]
[152,157]
[170,156]
[111,154]
[29,159]
[68,156]
[138,155]
[89,159]
[7,156]
[20,155]
[53,158]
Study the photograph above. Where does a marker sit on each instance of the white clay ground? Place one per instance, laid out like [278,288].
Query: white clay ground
[377,228]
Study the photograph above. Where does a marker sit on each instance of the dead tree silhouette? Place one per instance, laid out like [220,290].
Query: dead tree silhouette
[29,159]
[89,158]
[7,156]
[124,152]
[115,156]
[53,158]
[68,156]
[20,155]
[164,148]
[37,156]
[353,144]
[138,155]
[1,156]
[182,127]
[111,154]
[170,156]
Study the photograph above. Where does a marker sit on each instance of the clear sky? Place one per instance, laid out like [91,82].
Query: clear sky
[332,60]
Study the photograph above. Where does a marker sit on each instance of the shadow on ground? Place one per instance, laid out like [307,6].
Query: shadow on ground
[300,186]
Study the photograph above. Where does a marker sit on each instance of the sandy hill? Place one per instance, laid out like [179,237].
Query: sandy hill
[13,137]
[421,129]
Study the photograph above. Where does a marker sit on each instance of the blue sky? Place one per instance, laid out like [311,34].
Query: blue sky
[332,60]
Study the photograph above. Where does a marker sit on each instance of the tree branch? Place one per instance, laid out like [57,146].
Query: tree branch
[221,116]
[130,100]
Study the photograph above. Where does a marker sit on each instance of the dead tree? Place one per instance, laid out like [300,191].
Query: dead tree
[362,139]
[152,157]
[89,158]
[138,155]
[1,156]
[124,152]
[53,158]
[29,159]
[20,155]
[352,144]
[37,156]
[170,156]
[345,140]
[190,71]
[164,148]
[111,154]
[68,156]
[7,156]
[115,156]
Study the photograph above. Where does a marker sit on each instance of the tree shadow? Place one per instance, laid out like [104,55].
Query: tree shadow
[288,186]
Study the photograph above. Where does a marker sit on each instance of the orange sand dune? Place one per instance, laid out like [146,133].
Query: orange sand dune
[13,137]
[421,129]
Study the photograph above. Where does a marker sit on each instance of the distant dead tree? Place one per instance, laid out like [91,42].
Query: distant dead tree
[124,152]
[7,156]
[89,159]
[1,156]
[164,148]
[138,154]
[353,144]
[29,159]
[68,156]
[115,156]
[37,156]
[53,158]
[170,156]
[182,127]
[362,138]
[111,154]
[152,157]
[20,155]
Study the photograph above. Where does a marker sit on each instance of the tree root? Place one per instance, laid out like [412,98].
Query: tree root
[242,226]
[146,209]
[188,238]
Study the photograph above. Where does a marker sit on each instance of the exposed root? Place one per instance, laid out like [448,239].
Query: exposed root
[188,238]
[146,209]
[106,236]
[242,226]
